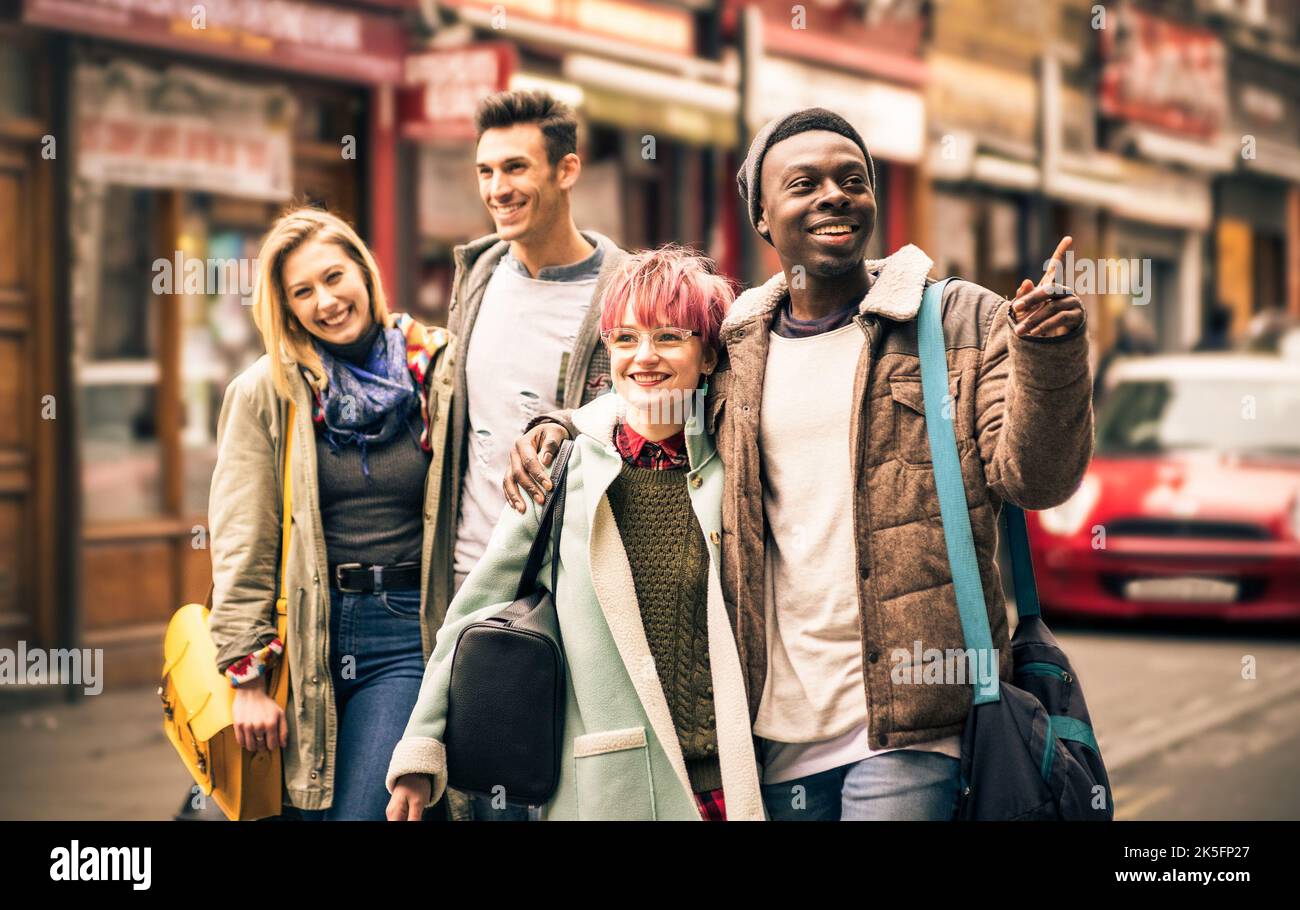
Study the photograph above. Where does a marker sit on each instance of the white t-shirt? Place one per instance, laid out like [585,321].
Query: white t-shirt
[813,713]
[514,370]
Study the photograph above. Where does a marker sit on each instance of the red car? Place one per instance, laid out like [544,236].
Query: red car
[1191,506]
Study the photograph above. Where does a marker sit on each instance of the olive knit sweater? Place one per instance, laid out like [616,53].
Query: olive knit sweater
[665,548]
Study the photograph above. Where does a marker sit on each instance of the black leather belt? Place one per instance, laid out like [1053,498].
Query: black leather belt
[354,578]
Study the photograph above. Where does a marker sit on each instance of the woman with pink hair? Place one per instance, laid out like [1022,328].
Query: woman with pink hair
[656,716]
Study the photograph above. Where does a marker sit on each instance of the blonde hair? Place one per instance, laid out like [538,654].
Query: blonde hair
[287,342]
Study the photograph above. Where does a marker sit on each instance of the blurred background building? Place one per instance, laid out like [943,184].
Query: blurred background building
[131,132]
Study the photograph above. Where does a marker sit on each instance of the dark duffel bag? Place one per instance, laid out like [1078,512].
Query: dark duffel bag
[1028,749]
[505,704]
[1032,753]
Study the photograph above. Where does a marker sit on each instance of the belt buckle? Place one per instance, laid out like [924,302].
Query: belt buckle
[338,577]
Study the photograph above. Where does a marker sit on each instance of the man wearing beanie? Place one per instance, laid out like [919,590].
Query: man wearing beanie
[834,563]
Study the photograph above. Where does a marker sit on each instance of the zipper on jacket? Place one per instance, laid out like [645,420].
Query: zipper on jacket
[866,326]
[1042,668]
[323,661]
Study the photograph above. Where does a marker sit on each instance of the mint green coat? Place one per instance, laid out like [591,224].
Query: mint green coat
[621,757]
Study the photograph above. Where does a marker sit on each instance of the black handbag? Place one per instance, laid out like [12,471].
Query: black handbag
[505,704]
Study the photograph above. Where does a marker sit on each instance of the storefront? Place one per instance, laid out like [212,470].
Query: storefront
[1131,157]
[983,164]
[1257,207]
[183,137]
[983,107]
[36,453]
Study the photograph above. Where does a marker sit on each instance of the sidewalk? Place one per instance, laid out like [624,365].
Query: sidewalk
[103,757]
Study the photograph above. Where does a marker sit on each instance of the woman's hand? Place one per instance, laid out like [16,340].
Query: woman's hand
[259,721]
[410,796]
[525,469]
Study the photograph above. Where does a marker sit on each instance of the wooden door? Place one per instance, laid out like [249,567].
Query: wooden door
[32,523]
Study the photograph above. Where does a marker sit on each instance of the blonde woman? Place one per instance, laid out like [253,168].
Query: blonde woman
[370,392]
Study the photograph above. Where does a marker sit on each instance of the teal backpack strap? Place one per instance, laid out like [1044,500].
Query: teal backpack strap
[1022,563]
[952,490]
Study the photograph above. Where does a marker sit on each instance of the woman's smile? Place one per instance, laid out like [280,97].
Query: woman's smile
[338,318]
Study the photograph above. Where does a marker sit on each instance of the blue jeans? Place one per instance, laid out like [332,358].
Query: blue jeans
[377,663]
[480,810]
[902,785]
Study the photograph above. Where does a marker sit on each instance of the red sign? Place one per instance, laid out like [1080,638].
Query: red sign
[653,26]
[1163,73]
[298,35]
[229,138]
[444,87]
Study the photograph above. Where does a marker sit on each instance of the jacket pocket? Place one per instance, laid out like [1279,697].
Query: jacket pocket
[911,439]
[612,774]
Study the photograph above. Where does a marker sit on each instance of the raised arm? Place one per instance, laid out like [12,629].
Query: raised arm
[1034,395]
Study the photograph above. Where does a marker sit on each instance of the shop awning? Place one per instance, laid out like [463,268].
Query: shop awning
[639,98]
[1275,160]
[1210,156]
[353,45]
[1133,190]
[890,118]
[956,157]
[994,170]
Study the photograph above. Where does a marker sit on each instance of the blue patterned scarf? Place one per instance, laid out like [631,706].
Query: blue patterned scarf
[367,405]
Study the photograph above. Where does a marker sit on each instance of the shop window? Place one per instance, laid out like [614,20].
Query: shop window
[132,239]
[118,362]
[218,337]
[121,457]
[16,88]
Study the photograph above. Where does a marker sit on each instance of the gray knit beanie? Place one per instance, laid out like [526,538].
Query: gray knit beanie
[748,179]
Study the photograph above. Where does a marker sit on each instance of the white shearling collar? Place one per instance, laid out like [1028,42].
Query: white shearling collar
[895,294]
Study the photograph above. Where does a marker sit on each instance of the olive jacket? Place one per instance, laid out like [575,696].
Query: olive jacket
[244,518]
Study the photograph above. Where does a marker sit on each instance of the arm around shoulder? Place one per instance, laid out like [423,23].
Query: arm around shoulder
[562,418]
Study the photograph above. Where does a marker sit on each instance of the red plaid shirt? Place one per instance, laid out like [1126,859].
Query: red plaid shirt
[640,452]
[713,808]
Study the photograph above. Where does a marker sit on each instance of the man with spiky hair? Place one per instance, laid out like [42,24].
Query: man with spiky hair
[526,336]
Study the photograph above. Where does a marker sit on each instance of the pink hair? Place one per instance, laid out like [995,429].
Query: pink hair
[670,286]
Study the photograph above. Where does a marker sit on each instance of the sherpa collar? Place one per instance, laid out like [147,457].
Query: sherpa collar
[895,294]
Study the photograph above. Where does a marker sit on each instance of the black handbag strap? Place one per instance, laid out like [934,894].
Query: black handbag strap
[552,518]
